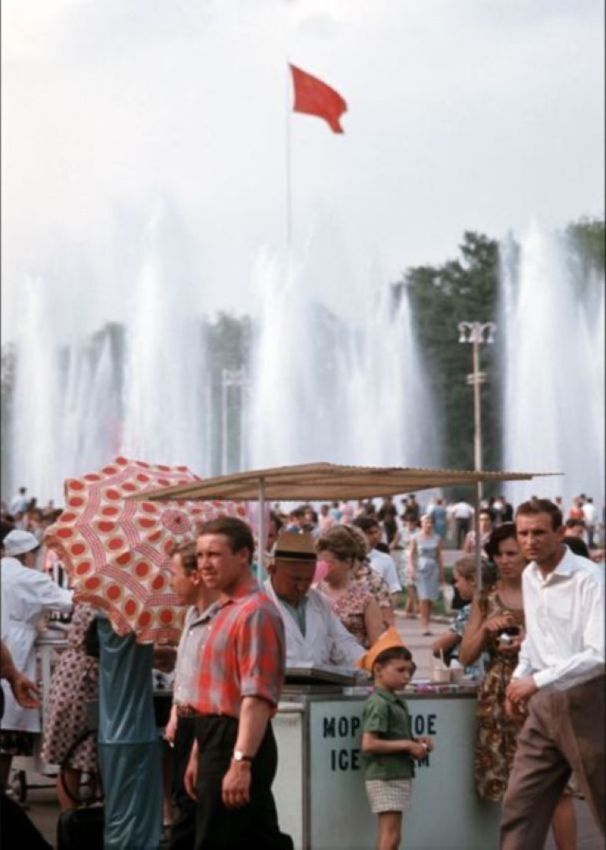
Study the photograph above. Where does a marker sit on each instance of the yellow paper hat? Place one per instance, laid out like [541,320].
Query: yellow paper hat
[389,639]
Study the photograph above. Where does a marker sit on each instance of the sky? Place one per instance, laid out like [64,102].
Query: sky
[463,115]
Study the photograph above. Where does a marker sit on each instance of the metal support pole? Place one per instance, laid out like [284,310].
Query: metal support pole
[477,416]
[262,532]
[476,525]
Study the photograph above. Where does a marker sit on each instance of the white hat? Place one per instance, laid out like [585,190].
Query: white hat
[18,542]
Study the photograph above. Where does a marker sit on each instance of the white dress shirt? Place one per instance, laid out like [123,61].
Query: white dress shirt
[564,612]
[326,640]
[384,565]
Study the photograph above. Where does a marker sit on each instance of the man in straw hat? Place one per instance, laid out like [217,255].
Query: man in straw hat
[387,743]
[314,633]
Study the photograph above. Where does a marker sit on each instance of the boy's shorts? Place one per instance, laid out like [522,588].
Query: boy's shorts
[389,795]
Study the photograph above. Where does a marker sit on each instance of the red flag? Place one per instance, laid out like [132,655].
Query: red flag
[313,97]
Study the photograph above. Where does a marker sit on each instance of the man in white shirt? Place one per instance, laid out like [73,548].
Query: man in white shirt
[561,672]
[314,633]
[590,515]
[462,513]
[381,562]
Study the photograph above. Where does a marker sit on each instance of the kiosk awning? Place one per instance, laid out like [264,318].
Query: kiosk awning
[316,481]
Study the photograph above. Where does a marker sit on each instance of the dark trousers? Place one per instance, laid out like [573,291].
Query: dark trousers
[564,732]
[183,830]
[462,526]
[254,825]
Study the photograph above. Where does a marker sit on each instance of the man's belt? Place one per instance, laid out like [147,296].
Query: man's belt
[186,711]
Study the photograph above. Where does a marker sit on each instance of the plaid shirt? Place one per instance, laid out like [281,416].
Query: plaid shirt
[244,654]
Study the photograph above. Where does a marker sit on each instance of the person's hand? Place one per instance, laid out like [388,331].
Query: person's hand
[495,624]
[512,645]
[25,691]
[427,741]
[519,690]
[190,777]
[236,785]
[170,729]
[417,749]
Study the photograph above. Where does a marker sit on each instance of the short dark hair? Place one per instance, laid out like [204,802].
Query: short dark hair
[502,532]
[366,523]
[237,532]
[189,561]
[578,546]
[541,506]
[399,653]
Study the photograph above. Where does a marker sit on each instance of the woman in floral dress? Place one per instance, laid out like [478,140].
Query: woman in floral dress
[75,680]
[496,627]
[350,599]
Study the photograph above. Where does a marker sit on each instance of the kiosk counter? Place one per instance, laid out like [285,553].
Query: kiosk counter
[319,787]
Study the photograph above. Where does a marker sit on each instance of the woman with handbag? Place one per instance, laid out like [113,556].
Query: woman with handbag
[74,683]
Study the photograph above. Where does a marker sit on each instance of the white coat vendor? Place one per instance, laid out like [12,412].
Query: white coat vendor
[314,634]
[27,594]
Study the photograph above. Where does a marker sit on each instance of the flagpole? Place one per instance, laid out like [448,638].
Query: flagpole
[288,164]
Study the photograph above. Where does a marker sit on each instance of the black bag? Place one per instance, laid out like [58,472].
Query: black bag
[78,829]
[91,640]
[82,827]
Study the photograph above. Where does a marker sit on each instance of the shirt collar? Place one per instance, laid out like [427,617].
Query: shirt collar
[245,588]
[563,569]
[389,696]
[288,604]
[196,618]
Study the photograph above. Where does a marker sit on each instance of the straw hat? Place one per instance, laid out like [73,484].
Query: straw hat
[389,639]
[295,546]
[17,542]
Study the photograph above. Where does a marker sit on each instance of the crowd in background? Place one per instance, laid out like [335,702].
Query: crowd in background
[453,521]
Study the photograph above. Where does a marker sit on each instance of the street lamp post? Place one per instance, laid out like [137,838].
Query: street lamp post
[477,333]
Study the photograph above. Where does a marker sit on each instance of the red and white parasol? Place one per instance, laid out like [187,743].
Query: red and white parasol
[117,551]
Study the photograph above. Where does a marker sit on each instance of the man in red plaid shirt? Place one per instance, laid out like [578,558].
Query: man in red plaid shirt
[234,757]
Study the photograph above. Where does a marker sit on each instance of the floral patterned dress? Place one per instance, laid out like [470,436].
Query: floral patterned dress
[75,680]
[350,608]
[496,734]
[372,581]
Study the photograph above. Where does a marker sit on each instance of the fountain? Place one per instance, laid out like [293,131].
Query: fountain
[328,388]
[552,320]
[333,374]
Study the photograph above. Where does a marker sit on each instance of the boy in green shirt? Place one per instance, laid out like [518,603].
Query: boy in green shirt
[387,743]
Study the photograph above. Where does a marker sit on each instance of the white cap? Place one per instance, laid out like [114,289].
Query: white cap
[18,542]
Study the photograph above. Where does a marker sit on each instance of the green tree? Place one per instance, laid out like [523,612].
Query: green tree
[465,289]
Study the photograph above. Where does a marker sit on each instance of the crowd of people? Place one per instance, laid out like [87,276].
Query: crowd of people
[533,636]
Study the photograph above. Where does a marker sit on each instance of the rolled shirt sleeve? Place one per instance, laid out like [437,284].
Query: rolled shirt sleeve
[261,655]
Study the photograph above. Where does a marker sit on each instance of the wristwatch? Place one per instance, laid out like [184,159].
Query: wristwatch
[238,755]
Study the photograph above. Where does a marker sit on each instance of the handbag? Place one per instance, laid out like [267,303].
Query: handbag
[81,827]
[91,640]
